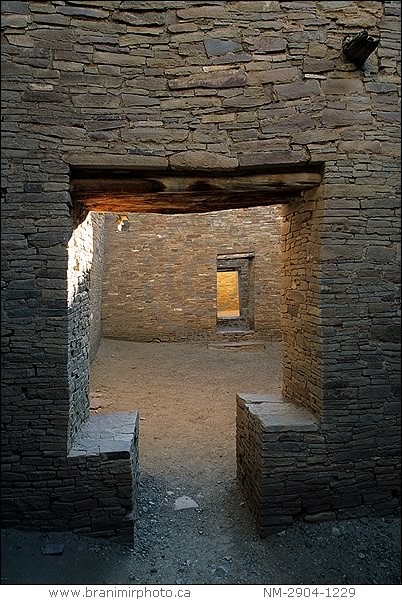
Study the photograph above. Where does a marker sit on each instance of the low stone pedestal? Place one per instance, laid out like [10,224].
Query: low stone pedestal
[103,463]
[273,439]
[292,467]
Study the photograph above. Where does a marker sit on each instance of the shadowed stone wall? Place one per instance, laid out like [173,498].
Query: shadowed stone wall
[184,86]
[292,467]
[303,343]
[160,273]
[96,282]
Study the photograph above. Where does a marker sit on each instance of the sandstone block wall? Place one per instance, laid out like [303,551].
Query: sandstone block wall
[91,490]
[183,86]
[80,258]
[95,284]
[160,274]
[303,341]
[291,467]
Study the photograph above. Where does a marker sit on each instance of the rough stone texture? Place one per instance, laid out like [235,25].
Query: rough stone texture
[95,288]
[300,89]
[270,44]
[300,306]
[68,72]
[216,47]
[92,490]
[290,467]
[219,79]
[201,160]
[163,286]
[81,253]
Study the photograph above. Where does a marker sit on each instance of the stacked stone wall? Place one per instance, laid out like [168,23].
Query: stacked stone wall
[291,467]
[80,256]
[91,490]
[184,86]
[303,342]
[160,273]
[95,284]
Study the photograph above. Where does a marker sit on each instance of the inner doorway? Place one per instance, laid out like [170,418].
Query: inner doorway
[235,292]
[227,292]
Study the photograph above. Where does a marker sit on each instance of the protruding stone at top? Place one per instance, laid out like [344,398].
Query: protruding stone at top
[202,160]
[230,78]
[216,47]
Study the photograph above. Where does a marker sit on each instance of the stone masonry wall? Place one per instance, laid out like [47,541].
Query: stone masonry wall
[80,255]
[95,284]
[160,273]
[303,342]
[291,468]
[85,272]
[183,86]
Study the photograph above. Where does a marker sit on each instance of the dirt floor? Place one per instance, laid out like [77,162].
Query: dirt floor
[186,397]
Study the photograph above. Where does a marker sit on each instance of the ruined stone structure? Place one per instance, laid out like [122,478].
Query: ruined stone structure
[188,107]
[160,275]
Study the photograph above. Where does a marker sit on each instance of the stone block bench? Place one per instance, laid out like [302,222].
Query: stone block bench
[272,442]
[102,468]
[292,467]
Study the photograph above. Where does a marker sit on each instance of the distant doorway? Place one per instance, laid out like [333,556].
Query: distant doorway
[235,292]
[227,294]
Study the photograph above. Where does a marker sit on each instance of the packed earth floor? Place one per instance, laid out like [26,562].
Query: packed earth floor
[186,396]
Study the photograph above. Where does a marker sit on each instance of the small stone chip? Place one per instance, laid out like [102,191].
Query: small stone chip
[185,502]
[52,549]
[220,571]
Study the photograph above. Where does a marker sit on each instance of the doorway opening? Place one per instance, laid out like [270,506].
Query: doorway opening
[129,192]
[227,294]
[241,267]
[235,293]
[185,391]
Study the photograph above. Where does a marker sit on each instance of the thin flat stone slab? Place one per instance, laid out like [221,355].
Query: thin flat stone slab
[250,345]
[52,549]
[258,398]
[185,502]
[225,331]
[106,434]
[275,414]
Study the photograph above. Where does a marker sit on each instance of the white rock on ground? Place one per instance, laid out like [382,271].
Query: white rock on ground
[185,502]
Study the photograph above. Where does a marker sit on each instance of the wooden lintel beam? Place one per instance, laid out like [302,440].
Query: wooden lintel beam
[166,184]
[174,194]
[175,203]
[235,256]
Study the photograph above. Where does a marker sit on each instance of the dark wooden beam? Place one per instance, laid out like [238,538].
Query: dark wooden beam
[235,256]
[175,203]
[172,194]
